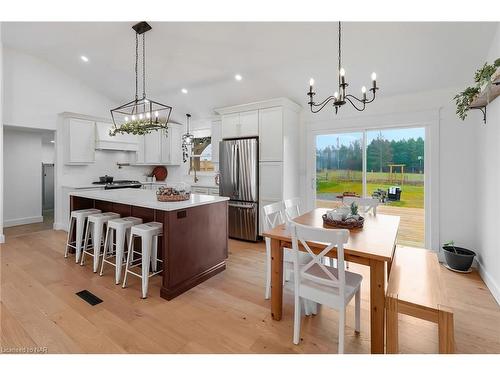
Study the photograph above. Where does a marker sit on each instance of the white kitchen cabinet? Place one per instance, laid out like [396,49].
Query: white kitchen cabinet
[216,138]
[152,147]
[80,145]
[271,134]
[156,148]
[271,181]
[230,125]
[241,124]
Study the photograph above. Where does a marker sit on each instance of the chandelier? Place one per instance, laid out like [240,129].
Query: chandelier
[141,115]
[339,98]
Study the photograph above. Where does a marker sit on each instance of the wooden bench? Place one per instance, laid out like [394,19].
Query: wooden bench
[415,289]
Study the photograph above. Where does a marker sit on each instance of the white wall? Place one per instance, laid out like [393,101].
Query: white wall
[22,177]
[48,153]
[488,167]
[35,92]
[453,191]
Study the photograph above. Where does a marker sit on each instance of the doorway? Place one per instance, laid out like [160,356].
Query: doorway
[388,164]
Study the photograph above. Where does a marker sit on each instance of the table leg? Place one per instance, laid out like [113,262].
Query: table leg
[392,325]
[276,279]
[377,305]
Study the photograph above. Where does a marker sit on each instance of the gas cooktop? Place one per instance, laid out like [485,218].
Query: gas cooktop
[119,184]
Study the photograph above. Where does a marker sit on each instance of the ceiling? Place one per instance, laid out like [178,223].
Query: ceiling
[275,59]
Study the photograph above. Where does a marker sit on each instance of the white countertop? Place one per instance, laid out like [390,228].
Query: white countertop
[147,198]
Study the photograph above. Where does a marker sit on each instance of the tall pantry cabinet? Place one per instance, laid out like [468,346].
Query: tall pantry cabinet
[276,123]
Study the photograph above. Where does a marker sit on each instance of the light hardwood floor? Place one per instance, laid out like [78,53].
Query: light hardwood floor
[226,314]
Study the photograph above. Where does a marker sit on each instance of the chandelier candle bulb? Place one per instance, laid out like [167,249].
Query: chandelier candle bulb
[374,79]
[342,76]
[311,84]
[363,90]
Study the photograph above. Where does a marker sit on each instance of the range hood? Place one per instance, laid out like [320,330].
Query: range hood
[119,142]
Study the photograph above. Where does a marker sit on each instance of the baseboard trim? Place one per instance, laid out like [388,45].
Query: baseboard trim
[490,283]
[22,221]
[60,226]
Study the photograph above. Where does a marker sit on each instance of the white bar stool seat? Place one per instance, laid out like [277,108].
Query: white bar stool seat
[78,218]
[116,248]
[149,233]
[95,223]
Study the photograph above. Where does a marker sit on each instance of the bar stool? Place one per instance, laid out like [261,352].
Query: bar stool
[78,218]
[149,233]
[121,228]
[95,223]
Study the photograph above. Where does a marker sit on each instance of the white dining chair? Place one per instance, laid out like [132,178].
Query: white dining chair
[330,286]
[292,208]
[274,215]
[365,204]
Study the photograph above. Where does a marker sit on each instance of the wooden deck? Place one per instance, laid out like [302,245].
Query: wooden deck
[411,227]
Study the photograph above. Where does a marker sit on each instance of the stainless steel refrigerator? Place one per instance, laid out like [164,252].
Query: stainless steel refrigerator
[239,180]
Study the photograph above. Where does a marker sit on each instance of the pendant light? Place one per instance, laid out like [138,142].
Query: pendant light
[141,115]
[187,140]
[340,97]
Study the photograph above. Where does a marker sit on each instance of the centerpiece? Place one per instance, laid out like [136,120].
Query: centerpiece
[173,193]
[346,217]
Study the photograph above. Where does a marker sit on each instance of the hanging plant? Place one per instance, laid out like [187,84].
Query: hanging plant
[136,127]
[463,101]
[482,76]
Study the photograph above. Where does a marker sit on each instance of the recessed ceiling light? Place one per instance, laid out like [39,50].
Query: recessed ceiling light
[52,141]
[84,58]
[238,77]
[184,91]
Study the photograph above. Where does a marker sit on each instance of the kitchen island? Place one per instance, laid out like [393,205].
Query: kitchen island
[194,245]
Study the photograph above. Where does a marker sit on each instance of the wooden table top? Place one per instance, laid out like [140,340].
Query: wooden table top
[375,240]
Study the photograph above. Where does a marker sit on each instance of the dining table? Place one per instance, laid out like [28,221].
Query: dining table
[372,246]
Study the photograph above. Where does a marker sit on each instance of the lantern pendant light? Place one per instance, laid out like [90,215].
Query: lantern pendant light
[141,115]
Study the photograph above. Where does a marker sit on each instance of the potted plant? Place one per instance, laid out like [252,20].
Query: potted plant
[458,258]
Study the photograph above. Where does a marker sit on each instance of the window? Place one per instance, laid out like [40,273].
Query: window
[201,155]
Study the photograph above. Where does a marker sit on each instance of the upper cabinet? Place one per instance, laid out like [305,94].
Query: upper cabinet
[80,145]
[241,124]
[160,148]
[271,134]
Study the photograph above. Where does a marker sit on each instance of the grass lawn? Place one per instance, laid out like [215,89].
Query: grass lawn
[411,195]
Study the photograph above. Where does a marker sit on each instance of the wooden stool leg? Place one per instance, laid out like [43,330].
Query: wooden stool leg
[392,325]
[446,331]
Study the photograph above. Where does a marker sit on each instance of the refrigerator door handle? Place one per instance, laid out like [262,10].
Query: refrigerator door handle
[237,170]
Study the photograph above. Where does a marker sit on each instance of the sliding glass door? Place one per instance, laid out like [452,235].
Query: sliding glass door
[339,167]
[384,163]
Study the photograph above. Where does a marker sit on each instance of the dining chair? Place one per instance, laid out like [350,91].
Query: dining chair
[366,204]
[292,208]
[274,215]
[330,286]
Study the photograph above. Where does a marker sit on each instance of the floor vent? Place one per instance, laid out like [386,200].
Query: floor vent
[89,297]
